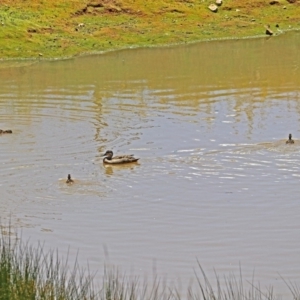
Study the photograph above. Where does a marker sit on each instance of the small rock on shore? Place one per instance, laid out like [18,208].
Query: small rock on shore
[213,7]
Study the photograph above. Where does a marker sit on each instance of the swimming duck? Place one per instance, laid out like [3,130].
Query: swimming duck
[290,140]
[5,131]
[121,159]
[69,180]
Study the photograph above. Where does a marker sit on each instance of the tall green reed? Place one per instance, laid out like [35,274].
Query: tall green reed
[30,273]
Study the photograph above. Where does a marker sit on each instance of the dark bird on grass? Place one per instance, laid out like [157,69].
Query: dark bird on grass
[268,30]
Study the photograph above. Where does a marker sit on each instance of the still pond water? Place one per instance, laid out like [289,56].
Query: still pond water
[215,180]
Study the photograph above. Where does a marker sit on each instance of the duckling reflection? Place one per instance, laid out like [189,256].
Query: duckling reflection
[121,159]
[69,180]
[290,140]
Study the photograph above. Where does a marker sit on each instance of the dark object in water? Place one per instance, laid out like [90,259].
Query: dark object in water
[290,140]
[5,131]
[69,180]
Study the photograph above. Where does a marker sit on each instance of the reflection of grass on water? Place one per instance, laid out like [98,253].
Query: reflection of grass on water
[30,273]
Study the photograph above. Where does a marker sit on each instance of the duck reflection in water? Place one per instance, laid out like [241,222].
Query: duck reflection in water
[115,169]
[290,140]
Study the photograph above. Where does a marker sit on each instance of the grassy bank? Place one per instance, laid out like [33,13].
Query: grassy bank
[30,273]
[27,273]
[48,29]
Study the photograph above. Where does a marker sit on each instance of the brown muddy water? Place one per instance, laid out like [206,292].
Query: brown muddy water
[215,181]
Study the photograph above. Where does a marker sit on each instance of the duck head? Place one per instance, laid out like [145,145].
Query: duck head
[108,154]
[290,136]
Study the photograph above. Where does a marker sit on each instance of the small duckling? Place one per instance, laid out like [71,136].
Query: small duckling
[290,140]
[69,180]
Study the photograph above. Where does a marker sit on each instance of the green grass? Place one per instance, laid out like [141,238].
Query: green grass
[48,29]
[30,273]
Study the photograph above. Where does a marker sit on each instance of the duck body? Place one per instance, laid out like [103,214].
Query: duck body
[5,131]
[120,159]
[290,140]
